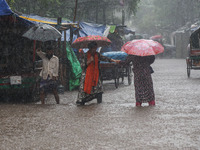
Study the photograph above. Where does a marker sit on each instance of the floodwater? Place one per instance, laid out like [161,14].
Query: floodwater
[115,124]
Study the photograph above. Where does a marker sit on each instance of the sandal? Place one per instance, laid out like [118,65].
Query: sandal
[138,104]
[152,103]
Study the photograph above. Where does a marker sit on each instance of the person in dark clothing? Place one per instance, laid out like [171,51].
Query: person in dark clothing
[143,83]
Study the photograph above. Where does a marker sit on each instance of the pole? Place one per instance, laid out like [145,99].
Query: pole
[65,77]
[59,21]
[34,47]
[59,54]
[75,10]
[123,16]
[122,2]
[97,11]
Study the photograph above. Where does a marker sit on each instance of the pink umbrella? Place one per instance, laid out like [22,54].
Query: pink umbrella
[82,42]
[142,47]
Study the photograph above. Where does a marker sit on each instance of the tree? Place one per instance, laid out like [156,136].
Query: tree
[99,11]
[165,15]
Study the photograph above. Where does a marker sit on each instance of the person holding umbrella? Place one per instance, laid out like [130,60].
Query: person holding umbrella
[90,83]
[142,55]
[49,73]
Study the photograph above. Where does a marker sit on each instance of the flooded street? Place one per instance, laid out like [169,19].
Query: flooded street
[115,124]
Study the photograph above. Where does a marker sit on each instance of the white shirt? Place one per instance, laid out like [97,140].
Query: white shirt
[50,67]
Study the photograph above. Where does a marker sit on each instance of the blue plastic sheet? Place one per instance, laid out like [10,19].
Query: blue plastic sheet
[39,19]
[118,55]
[4,8]
[6,11]
[86,28]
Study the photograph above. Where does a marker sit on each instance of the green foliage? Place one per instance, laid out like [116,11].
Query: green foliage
[99,11]
[132,6]
[11,3]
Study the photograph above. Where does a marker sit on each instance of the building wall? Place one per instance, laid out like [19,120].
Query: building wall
[181,43]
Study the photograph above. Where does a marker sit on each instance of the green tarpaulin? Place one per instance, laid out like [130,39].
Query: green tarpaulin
[112,28]
[75,68]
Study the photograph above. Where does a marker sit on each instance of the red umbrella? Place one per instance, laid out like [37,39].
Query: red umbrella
[142,47]
[82,42]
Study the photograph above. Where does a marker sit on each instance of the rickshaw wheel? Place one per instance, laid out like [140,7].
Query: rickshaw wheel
[82,103]
[99,98]
[122,74]
[188,72]
[188,67]
[116,77]
[122,78]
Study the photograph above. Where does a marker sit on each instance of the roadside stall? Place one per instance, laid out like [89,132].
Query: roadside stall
[17,77]
[70,68]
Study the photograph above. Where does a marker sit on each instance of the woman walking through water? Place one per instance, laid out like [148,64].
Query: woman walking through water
[143,83]
[90,84]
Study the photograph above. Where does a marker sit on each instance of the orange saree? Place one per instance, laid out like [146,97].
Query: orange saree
[92,74]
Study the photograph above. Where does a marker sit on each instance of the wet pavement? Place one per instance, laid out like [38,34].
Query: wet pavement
[115,124]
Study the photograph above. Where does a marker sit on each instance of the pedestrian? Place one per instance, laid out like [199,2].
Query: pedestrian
[143,83]
[90,83]
[49,73]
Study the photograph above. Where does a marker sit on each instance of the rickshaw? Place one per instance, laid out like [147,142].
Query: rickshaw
[113,71]
[193,59]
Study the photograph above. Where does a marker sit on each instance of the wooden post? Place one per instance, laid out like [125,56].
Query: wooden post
[65,77]
[97,11]
[75,10]
[34,50]
[59,21]
[71,35]
[65,39]
[123,12]
[123,17]
[59,53]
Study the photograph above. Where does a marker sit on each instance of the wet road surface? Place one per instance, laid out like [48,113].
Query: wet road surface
[115,124]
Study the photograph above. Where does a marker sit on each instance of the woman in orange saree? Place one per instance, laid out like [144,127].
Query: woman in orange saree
[90,83]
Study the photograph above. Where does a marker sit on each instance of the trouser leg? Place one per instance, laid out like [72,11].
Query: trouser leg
[42,97]
[56,96]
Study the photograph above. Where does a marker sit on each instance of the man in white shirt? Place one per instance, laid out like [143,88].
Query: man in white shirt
[49,73]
